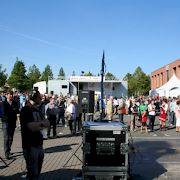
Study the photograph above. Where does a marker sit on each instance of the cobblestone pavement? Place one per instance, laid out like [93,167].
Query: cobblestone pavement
[57,152]
[156,156]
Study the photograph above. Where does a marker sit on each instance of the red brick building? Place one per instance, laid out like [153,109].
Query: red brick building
[162,75]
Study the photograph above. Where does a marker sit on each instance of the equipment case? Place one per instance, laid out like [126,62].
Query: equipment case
[105,150]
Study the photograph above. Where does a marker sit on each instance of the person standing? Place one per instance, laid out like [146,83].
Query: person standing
[32,123]
[16,98]
[143,121]
[3,96]
[133,116]
[9,117]
[163,115]
[109,108]
[121,110]
[78,109]
[51,112]
[152,114]
[61,107]
[71,116]
[115,104]
[172,117]
[177,113]
[43,110]
[22,100]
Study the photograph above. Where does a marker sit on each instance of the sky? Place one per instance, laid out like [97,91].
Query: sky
[73,34]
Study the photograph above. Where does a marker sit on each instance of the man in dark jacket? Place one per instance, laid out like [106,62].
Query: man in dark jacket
[9,117]
[32,123]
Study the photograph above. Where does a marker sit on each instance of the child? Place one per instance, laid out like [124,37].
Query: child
[162,118]
[143,121]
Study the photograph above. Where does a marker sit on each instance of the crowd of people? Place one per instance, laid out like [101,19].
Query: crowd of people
[40,114]
[144,110]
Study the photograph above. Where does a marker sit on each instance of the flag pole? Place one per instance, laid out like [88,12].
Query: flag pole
[102,87]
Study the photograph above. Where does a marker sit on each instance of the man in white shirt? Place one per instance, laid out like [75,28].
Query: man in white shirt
[71,114]
[152,114]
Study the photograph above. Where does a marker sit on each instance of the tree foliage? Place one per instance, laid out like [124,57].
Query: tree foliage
[47,74]
[88,74]
[110,76]
[18,78]
[127,77]
[61,74]
[73,73]
[138,82]
[34,74]
[3,76]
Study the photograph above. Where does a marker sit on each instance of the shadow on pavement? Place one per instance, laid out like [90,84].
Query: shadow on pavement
[59,148]
[144,159]
[6,163]
[60,174]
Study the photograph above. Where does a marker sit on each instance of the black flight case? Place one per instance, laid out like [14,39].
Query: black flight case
[105,151]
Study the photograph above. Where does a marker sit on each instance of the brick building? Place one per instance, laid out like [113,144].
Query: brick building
[162,75]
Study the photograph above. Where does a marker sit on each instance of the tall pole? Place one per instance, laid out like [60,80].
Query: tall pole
[102,87]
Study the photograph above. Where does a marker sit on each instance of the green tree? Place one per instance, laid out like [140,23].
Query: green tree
[3,76]
[18,78]
[142,82]
[47,74]
[127,77]
[110,76]
[88,74]
[61,74]
[132,84]
[33,74]
[145,84]
[138,82]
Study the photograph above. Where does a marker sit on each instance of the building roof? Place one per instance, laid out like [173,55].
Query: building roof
[90,79]
[166,66]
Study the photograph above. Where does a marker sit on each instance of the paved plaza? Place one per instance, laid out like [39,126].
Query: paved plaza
[57,153]
[155,156]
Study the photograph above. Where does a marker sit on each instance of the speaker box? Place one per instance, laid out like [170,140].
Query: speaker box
[86,99]
[36,88]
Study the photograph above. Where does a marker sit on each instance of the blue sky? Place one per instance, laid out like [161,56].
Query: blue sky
[73,34]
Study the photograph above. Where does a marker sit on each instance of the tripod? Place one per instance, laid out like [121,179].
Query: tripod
[74,154]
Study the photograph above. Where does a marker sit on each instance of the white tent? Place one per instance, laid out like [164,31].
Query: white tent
[171,88]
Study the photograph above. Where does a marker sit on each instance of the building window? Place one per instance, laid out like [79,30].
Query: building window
[167,75]
[162,79]
[80,86]
[174,70]
[158,76]
[64,86]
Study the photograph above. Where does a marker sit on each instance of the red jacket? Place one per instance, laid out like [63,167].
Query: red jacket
[162,116]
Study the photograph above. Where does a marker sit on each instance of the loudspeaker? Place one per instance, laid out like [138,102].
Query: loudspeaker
[36,88]
[86,99]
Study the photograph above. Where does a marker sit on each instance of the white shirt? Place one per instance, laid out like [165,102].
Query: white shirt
[151,109]
[71,109]
[166,107]
[115,102]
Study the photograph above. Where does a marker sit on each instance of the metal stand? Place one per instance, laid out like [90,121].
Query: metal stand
[89,117]
[6,165]
[74,154]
